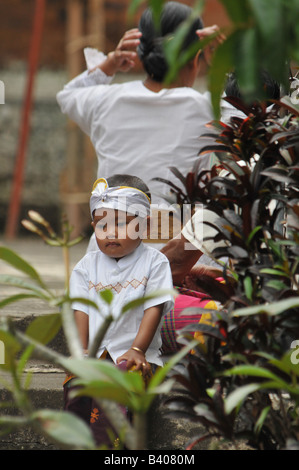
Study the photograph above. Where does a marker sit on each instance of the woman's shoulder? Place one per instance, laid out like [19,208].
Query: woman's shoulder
[194,93]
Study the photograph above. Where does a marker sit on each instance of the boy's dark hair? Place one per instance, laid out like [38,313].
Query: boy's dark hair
[129,180]
[150,49]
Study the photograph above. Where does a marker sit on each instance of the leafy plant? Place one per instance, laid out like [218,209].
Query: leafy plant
[99,379]
[243,384]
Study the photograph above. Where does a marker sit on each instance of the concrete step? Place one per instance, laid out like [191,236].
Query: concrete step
[49,263]
[45,392]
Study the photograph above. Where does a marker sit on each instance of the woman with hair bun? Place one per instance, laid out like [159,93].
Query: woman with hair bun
[143,127]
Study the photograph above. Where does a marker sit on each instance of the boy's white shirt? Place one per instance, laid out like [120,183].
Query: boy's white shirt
[140,273]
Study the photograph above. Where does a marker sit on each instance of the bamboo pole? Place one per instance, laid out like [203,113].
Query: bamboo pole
[80,170]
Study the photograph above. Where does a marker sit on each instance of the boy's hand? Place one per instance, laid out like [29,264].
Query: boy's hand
[137,359]
[124,56]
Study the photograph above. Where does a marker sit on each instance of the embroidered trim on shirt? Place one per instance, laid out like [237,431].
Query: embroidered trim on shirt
[118,286]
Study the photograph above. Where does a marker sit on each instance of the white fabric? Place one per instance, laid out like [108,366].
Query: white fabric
[130,200]
[197,229]
[93,57]
[141,273]
[139,132]
[228,111]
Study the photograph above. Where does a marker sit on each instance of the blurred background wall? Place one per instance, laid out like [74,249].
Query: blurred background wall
[60,164]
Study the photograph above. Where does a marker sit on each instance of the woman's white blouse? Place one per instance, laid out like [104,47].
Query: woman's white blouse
[143,272]
[139,132]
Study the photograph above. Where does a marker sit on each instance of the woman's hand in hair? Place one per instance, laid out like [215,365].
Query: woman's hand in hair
[124,57]
[219,38]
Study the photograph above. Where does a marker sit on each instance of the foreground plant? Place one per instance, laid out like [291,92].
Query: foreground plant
[244,382]
[98,379]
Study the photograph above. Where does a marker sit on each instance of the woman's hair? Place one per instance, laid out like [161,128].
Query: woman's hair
[129,180]
[150,50]
[270,86]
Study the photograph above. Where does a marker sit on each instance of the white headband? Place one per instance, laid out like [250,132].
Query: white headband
[122,198]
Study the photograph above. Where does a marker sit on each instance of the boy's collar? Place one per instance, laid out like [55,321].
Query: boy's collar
[128,259]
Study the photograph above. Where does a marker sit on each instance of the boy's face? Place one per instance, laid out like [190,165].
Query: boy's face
[117,233]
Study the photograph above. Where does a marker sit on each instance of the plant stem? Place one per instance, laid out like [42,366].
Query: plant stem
[120,423]
[140,427]
[71,331]
[100,336]
[66,257]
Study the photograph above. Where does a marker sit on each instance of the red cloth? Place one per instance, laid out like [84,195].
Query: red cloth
[175,320]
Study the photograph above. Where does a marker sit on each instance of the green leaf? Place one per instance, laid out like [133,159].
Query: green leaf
[103,390]
[261,419]
[156,6]
[15,298]
[286,364]
[141,300]
[222,63]
[268,17]
[278,285]
[65,428]
[162,372]
[274,272]
[275,31]
[10,257]
[176,56]
[82,300]
[235,398]
[205,329]
[102,379]
[270,309]
[246,65]
[133,6]
[236,10]
[94,369]
[255,371]
[25,356]
[14,281]
[106,295]
[44,328]
[248,287]
[86,369]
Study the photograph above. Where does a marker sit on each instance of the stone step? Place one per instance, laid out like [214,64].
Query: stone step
[49,263]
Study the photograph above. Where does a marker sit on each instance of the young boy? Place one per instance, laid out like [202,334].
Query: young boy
[120,209]
[129,268]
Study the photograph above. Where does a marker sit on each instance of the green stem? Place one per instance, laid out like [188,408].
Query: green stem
[120,423]
[66,257]
[140,427]
[100,336]
[71,331]
[40,351]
